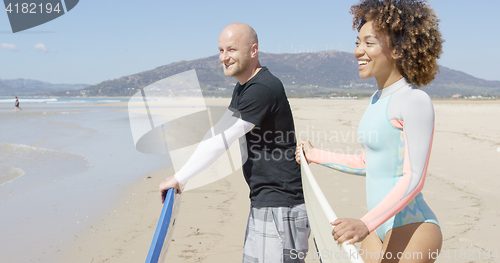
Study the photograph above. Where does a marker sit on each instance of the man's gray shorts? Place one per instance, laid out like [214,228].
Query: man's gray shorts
[276,234]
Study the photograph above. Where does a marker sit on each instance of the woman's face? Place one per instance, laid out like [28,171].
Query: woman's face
[374,57]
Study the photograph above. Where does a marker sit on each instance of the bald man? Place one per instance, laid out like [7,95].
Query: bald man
[259,112]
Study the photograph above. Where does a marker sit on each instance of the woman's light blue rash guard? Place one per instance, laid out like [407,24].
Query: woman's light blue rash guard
[396,133]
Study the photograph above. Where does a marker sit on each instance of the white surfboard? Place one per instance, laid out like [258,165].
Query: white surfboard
[320,214]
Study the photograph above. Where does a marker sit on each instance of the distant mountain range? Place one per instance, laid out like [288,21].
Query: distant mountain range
[326,73]
[27,87]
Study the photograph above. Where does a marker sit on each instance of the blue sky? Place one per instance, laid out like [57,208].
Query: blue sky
[108,39]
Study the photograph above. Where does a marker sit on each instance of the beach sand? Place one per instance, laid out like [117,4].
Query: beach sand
[461,188]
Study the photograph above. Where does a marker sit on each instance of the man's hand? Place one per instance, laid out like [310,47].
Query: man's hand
[170,182]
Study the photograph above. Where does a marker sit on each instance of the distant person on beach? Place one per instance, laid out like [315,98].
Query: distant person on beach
[277,222]
[398,43]
[17,105]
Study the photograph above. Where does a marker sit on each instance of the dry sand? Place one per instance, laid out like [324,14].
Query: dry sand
[461,187]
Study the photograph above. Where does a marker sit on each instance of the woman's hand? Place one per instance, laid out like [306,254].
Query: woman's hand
[307,147]
[350,230]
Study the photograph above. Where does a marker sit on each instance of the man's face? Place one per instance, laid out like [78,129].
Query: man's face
[234,52]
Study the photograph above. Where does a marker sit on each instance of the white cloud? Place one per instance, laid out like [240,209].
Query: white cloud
[10,47]
[42,48]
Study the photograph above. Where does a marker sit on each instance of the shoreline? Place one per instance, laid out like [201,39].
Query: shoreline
[76,162]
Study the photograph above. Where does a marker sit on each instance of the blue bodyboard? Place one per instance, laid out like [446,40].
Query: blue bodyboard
[166,223]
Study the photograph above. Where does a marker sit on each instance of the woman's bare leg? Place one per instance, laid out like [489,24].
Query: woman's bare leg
[371,246]
[412,243]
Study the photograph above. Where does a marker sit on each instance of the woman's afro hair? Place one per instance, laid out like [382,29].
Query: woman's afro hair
[411,29]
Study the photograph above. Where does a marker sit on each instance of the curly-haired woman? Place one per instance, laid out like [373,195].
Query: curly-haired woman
[398,43]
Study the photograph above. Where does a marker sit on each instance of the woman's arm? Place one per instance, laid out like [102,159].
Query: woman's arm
[347,163]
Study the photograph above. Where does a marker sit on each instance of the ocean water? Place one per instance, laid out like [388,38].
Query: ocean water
[63,163]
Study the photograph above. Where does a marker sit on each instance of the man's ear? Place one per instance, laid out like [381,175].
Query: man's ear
[254,50]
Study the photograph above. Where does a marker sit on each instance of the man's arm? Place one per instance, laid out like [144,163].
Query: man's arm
[216,142]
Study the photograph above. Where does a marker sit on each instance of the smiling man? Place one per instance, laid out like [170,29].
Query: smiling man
[277,222]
